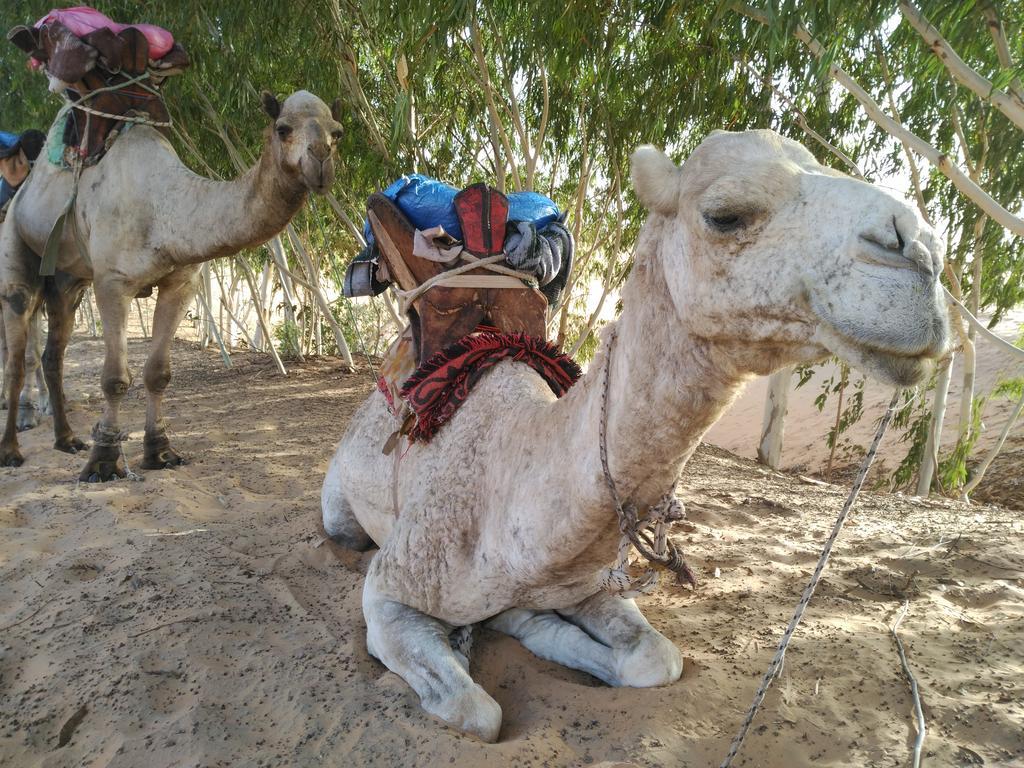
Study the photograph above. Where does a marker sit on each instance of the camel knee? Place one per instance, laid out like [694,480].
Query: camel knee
[52,359]
[157,376]
[339,523]
[115,385]
[654,660]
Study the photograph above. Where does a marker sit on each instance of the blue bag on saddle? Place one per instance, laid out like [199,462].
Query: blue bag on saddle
[427,202]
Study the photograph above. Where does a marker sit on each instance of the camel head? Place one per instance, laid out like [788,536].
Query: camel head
[302,138]
[781,260]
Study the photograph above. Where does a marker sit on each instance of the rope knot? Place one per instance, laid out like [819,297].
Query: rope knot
[108,437]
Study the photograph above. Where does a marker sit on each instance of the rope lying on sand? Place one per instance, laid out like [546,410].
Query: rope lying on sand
[780,652]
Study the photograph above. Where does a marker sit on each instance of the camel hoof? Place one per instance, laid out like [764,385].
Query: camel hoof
[28,418]
[11,457]
[70,444]
[165,459]
[104,464]
[157,452]
[474,713]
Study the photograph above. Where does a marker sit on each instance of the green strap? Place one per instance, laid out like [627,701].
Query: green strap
[49,264]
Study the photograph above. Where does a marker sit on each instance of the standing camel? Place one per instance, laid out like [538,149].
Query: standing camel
[753,257]
[145,220]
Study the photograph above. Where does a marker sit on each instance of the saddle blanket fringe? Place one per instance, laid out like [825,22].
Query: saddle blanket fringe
[437,389]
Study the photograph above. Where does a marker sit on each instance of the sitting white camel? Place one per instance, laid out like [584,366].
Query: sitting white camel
[754,257]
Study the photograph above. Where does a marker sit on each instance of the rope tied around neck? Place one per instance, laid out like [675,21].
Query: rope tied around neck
[647,534]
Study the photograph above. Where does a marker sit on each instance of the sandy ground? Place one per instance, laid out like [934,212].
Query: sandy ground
[198,617]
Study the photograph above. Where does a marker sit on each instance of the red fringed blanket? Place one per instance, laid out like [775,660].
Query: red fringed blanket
[437,389]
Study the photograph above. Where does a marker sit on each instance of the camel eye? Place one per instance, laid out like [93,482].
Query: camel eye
[724,222]
[336,136]
[284,131]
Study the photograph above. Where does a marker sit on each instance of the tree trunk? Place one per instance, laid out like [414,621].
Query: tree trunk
[970,350]
[261,316]
[994,451]
[769,450]
[931,448]
[288,290]
[259,301]
[321,300]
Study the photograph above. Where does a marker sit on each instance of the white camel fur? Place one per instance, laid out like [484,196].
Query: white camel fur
[753,257]
[146,220]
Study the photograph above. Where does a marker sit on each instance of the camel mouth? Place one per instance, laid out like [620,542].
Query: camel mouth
[318,176]
[898,370]
[890,366]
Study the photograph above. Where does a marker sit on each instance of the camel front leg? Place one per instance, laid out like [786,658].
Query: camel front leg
[106,461]
[416,648]
[18,304]
[32,403]
[644,657]
[62,298]
[605,636]
[172,300]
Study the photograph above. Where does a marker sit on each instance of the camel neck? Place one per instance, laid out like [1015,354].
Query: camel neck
[229,216]
[666,388]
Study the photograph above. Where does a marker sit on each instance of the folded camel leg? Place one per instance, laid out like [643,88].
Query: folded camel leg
[605,635]
[416,648]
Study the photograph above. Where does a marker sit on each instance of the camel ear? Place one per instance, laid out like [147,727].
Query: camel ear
[336,110]
[270,104]
[656,179]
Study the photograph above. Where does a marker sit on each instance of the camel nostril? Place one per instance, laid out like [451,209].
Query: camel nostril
[319,152]
[900,242]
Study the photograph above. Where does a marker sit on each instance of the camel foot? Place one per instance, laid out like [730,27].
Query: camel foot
[474,712]
[70,444]
[105,463]
[158,454]
[605,636]
[416,647]
[10,456]
[28,416]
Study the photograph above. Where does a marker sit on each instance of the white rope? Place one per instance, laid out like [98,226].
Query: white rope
[137,80]
[489,263]
[129,117]
[914,689]
[780,651]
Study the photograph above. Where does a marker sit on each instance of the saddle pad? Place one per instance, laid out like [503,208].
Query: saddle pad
[442,384]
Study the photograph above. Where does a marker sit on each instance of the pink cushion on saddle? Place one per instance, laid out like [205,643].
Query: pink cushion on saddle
[83,20]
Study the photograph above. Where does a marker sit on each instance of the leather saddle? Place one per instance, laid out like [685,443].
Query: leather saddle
[443,314]
[98,60]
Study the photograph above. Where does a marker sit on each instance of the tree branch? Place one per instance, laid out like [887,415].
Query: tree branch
[958,68]
[995,29]
[801,120]
[938,159]
[497,128]
[915,173]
